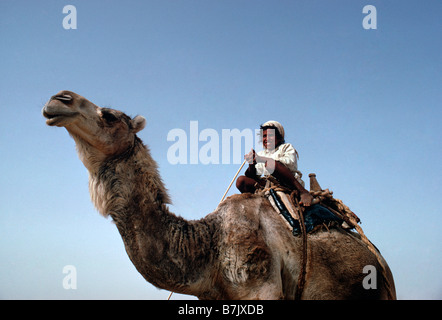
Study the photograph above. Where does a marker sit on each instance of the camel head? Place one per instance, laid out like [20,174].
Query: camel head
[99,133]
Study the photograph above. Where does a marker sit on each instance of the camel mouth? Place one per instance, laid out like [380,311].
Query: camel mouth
[58,118]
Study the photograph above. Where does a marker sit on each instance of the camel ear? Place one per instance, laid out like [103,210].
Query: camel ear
[138,124]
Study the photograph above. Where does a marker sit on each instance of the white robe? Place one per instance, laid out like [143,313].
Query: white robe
[284,153]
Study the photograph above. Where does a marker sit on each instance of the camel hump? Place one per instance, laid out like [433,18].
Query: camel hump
[238,197]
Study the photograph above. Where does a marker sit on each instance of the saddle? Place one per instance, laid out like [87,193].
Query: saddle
[325,211]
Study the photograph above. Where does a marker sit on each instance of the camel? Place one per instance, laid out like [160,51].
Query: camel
[242,250]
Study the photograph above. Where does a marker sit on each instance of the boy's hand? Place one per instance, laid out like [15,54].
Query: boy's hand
[251,157]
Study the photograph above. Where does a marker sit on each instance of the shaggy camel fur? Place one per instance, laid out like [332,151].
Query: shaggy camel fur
[243,250]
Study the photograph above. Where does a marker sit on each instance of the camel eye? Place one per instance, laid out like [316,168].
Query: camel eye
[109,117]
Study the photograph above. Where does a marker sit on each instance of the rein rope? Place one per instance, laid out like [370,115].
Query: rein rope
[304,257]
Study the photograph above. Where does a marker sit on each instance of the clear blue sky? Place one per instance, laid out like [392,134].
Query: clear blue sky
[362,107]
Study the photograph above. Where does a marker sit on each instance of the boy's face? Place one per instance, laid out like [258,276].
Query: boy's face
[269,139]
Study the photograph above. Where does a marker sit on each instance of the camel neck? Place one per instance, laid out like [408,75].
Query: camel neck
[169,251]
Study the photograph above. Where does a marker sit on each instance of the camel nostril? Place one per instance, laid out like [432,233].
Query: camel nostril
[64,98]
